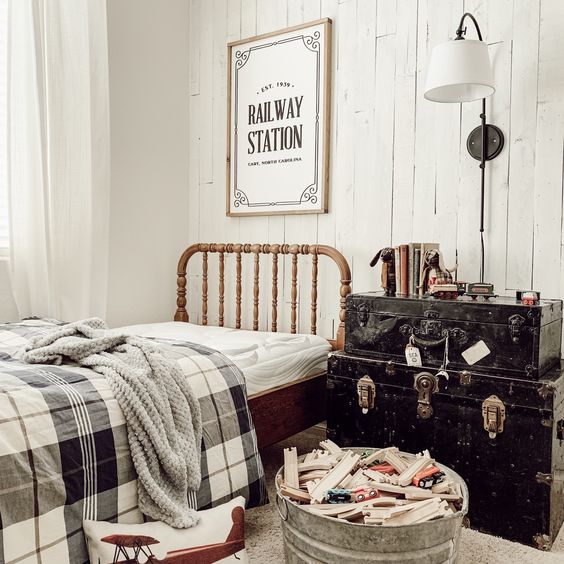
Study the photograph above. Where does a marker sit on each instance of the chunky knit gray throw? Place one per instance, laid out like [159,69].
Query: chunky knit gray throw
[164,423]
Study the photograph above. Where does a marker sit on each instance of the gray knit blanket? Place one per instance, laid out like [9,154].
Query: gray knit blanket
[164,423]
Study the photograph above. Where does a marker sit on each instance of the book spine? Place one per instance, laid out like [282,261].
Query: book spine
[411,268]
[404,251]
[421,267]
[398,270]
[416,269]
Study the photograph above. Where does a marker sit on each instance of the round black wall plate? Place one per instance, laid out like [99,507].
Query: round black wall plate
[495,142]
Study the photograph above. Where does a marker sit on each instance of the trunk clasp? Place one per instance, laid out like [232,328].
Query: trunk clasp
[426,385]
[366,390]
[493,412]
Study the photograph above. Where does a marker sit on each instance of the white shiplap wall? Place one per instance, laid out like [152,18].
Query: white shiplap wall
[400,171]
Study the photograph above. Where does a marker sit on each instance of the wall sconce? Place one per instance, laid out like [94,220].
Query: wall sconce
[460,71]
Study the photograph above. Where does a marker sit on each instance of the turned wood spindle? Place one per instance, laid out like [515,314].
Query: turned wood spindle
[274,292]
[221,287]
[181,300]
[314,294]
[256,289]
[205,288]
[294,292]
[238,288]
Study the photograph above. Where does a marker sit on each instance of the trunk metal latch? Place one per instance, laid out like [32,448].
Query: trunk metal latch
[366,390]
[493,412]
[363,312]
[515,323]
[545,479]
[542,542]
[426,385]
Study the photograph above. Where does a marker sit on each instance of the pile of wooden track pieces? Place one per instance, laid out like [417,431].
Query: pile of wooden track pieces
[382,487]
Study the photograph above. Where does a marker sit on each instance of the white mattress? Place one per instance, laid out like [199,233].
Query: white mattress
[266,359]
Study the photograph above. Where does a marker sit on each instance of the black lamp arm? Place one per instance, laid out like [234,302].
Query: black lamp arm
[483,187]
[462,30]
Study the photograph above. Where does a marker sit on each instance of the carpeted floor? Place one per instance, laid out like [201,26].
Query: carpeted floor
[264,536]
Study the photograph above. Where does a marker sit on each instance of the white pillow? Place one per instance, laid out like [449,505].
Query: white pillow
[219,536]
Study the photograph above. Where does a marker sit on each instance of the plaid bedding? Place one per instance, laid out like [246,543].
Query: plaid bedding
[64,454]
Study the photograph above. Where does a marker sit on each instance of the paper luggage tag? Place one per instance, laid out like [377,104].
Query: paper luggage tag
[413,356]
[476,353]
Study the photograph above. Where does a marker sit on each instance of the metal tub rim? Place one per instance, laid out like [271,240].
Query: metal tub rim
[448,472]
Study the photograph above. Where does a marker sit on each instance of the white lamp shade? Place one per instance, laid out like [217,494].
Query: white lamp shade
[459,71]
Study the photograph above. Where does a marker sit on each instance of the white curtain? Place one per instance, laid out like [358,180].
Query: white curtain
[58,153]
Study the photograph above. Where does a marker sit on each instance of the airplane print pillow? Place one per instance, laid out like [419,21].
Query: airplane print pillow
[218,537]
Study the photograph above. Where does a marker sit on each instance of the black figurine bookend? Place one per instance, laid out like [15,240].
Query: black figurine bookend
[387,255]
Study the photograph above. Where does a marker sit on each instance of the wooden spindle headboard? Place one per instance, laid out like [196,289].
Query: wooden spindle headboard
[257,249]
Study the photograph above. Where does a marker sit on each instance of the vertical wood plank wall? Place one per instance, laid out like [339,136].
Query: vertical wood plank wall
[400,171]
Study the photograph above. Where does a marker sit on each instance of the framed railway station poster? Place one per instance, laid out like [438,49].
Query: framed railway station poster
[278,121]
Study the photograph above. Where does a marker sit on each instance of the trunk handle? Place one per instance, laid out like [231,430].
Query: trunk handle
[456,334]
[430,343]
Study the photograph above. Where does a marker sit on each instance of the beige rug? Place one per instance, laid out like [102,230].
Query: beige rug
[264,536]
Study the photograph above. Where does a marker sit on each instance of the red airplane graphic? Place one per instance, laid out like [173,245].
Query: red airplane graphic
[205,554]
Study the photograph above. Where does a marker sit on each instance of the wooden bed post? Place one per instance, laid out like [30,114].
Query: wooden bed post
[345,290]
[181,300]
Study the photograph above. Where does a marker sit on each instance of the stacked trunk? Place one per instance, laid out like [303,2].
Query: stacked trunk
[496,418]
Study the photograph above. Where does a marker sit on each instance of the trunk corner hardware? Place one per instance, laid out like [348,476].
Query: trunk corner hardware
[547,389]
[542,542]
[465,378]
[560,430]
[547,422]
[493,412]
[332,360]
[366,390]
[545,479]
[426,385]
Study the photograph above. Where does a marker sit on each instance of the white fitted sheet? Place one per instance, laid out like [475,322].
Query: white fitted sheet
[266,359]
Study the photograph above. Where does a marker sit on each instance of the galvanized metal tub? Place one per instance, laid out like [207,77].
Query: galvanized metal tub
[313,538]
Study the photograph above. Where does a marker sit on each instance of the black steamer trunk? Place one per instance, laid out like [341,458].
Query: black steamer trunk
[498,423]
[524,341]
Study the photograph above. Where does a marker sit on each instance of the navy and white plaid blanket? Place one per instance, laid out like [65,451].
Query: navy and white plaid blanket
[64,454]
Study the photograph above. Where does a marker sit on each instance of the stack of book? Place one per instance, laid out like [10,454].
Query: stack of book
[409,267]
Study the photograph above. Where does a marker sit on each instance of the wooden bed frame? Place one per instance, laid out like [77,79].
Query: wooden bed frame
[285,410]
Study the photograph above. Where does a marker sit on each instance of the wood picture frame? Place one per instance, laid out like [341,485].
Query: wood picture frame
[283,169]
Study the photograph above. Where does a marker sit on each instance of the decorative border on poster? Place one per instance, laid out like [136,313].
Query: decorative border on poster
[316,191]
[309,194]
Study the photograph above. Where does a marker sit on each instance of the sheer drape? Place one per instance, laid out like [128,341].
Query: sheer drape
[58,153]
